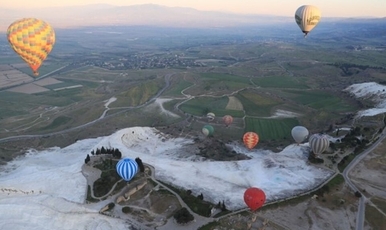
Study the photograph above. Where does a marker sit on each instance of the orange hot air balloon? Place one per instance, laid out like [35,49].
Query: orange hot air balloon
[32,39]
[228,119]
[254,198]
[250,139]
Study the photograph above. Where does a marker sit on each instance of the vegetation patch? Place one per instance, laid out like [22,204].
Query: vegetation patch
[280,82]
[256,104]
[196,204]
[202,105]
[318,99]
[376,219]
[177,88]
[58,122]
[139,94]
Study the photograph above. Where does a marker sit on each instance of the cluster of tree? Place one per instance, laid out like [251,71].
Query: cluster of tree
[222,206]
[183,216]
[115,152]
[345,67]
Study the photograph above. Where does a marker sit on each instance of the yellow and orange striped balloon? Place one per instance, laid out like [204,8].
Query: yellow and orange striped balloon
[250,139]
[32,39]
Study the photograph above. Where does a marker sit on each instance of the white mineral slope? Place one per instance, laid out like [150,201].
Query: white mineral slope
[279,174]
[373,91]
[46,189]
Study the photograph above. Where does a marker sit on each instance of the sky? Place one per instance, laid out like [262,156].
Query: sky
[329,8]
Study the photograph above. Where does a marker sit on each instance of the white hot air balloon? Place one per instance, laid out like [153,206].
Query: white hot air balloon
[319,143]
[299,134]
[307,17]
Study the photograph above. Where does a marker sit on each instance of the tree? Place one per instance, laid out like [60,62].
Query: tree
[358,194]
[188,192]
[223,207]
[201,197]
[87,159]
[103,150]
[111,206]
[140,164]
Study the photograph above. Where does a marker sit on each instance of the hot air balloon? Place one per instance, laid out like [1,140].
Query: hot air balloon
[32,39]
[127,168]
[228,119]
[210,116]
[254,198]
[319,143]
[250,139]
[307,17]
[299,133]
[207,130]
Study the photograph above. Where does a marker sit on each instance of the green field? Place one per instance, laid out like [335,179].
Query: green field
[138,94]
[271,129]
[280,82]
[58,122]
[225,81]
[200,106]
[320,100]
[256,104]
[176,89]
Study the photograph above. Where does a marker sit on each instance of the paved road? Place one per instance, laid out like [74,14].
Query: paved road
[361,206]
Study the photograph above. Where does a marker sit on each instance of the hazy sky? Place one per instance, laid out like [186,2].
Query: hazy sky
[329,8]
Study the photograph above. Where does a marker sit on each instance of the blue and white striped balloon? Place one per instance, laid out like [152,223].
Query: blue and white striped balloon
[127,168]
[319,143]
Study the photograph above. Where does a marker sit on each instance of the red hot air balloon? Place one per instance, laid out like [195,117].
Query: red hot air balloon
[250,139]
[228,119]
[254,198]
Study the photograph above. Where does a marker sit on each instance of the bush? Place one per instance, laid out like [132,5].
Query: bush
[183,216]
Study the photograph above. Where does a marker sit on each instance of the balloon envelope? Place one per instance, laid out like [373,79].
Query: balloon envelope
[254,198]
[299,134]
[207,130]
[32,39]
[307,17]
[210,116]
[250,139]
[228,119]
[127,168]
[319,143]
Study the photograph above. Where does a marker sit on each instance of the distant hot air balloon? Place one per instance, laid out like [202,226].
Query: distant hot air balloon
[32,39]
[228,119]
[210,116]
[250,139]
[254,198]
[299,134]
[319,143]
[307,17]
[207,130]
[127,168]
